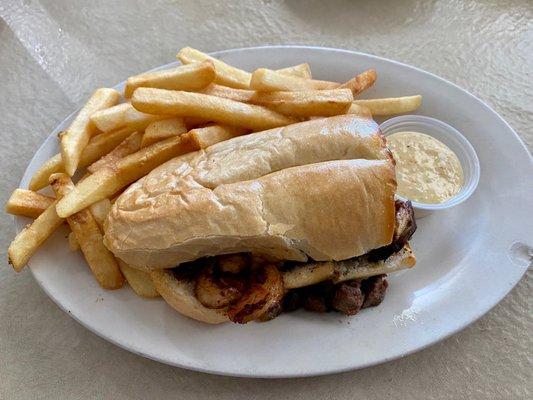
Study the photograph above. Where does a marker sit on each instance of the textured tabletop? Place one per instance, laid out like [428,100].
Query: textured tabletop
[54,53]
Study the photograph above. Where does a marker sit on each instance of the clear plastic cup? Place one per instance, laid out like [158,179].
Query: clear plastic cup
[452,138]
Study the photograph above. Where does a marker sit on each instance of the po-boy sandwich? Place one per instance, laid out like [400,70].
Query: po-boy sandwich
[299,216]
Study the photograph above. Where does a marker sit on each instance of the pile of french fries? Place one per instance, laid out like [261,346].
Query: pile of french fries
[112,144]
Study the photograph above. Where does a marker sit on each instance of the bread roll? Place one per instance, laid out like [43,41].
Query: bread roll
[289,193]
[179,294]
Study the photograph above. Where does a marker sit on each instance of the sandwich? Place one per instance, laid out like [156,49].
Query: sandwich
[298,216]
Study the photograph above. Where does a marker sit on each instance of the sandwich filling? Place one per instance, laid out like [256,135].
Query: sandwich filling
[249,287]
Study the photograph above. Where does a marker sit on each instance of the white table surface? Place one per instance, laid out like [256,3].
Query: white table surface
[54,53]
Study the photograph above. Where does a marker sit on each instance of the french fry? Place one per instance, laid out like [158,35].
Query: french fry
[32,237]
[128,146]
[300,103]
[301,70]
[225,74]
[98,146]
[27,203]
[73,244]
[39,179]
[193,122]
[30,204]
[361,82]
[390,106]
[100,210]
[77,136]
[242,95]
[209,135]
[359,110]
[306,103]
[185,77]
[123,116]
[234,77]
[107,181]
[101,261]
[267,80]
[140,281]
[161,130]
[218,109]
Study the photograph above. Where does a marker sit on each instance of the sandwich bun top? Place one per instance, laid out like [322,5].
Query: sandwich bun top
[322,189]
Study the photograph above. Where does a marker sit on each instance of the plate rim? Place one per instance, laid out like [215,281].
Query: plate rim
[258,374]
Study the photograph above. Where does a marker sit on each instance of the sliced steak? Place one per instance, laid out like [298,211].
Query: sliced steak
[405,228]
[405,222]
[316,303]
[348,298]
[374,289]
[293,300]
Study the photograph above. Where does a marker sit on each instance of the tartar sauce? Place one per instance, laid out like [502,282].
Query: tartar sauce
[427,171]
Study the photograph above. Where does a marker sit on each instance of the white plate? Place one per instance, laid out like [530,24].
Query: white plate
[469,257]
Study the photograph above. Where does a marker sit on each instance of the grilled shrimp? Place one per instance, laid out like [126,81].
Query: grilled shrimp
[264,291]
[217,292]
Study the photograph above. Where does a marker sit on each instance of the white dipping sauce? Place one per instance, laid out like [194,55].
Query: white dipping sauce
[427,171]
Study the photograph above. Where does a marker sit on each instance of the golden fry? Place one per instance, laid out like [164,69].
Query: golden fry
[301,70]
[140,281]
[267,80]
[76,137]
[161,130]
[100,210]
[73,244]
[39,179]
[306,103]
[98,146]
[109,180]
[234,77]
[128,146]
[359,110]
[208,136]
[361,82]
[218,109]
[101,261]
[27,203]
[225,74]
[390,106]
[242,95]
[123,116]
[193,122]
[300,103]
[185,77]
[32,237]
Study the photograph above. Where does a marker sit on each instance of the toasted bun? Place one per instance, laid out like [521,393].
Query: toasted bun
[289,193]
[179,294]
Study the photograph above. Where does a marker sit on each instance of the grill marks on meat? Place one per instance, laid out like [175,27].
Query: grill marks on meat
[264,292]
[346,297]
[217,291]
[405,228]
[405,222]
